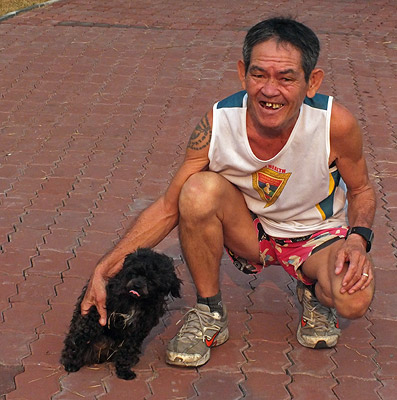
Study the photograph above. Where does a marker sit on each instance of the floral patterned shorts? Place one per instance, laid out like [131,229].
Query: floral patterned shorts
[289,253]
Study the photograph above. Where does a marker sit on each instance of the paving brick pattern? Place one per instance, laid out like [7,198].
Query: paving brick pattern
[97,101]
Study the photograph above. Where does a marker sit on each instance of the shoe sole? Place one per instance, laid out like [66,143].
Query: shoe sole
[319,344]
[180,359]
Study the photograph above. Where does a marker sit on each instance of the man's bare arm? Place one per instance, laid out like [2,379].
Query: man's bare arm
[154,223]
[346,147]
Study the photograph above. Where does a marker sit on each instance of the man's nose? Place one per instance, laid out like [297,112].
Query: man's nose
[270,87]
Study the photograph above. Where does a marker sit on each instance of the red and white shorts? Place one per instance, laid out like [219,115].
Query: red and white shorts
[289,253]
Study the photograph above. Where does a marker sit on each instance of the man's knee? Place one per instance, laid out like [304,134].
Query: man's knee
[353,306]
[199,193]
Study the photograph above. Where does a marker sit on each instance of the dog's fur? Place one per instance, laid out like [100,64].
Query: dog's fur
[136,299]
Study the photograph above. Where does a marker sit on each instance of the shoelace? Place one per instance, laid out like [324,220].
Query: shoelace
[194,323]
[320,315]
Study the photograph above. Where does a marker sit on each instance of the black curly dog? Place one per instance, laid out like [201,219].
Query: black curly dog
[136,299]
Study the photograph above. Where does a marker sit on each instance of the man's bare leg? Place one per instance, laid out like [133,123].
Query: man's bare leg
[213,213]
[321,267]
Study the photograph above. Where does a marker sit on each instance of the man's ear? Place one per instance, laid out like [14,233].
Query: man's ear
[315,80]
[241,73]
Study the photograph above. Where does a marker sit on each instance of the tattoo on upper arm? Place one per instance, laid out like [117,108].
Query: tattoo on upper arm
[201,135]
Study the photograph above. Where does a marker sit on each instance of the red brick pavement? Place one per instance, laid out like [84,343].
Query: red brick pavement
[97,102]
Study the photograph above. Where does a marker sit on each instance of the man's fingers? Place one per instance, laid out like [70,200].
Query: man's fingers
[348,281]
[358,275]
[369,279]
[340,262]
[102,314]
[84,311]
[361,282]
[86,306]
[95,296]
[352,275]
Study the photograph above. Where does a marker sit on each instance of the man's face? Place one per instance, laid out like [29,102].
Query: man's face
[276,87]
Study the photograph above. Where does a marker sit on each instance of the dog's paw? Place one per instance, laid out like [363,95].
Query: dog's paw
[126,374]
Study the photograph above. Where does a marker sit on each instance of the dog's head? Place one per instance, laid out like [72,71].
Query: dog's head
[146,273]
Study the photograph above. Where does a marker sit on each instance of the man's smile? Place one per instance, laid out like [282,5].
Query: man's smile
[269,105]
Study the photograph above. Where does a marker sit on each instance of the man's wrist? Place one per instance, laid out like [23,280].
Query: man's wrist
[364,233]
[357,238]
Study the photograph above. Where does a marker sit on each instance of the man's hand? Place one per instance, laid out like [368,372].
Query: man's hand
[95,296]
[96,290]
[359,272]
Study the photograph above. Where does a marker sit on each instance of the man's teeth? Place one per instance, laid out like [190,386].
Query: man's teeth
[275,106]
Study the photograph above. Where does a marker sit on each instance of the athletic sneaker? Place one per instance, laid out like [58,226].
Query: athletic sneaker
[319,327]
[202,329]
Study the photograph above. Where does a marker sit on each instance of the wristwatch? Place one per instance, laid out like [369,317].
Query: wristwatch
[366,233]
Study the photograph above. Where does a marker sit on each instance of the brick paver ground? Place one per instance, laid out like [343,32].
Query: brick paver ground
[97,100]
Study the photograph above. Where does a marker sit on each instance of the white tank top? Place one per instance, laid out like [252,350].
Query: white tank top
[295,193]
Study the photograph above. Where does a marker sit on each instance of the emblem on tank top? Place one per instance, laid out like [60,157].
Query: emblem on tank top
[269,182]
